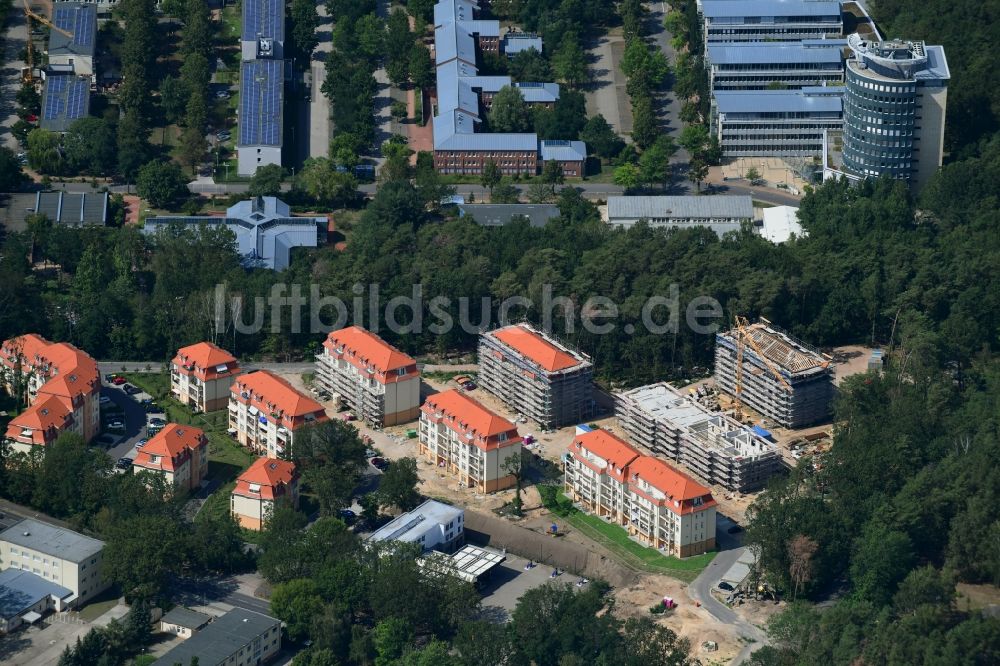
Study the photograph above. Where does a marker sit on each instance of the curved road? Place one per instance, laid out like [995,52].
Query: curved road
[700,590]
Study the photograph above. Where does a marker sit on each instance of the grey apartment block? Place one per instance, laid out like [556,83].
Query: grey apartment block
[536,376]
[807,372]
[713,446]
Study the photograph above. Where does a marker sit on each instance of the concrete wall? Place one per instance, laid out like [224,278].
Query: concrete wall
[929,140]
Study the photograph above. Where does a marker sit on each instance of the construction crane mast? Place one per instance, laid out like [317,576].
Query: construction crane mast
[28,76]
[743,337]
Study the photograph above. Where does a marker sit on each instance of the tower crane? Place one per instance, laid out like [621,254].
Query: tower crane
[743,337]
[28,76]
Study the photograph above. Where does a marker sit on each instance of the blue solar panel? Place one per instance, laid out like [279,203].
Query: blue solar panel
[77,20]
[261,96]
[78,94]
[263,18]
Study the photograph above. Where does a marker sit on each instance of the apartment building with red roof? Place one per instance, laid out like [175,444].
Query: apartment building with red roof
[201,374]
[262,487]
[61,384]
[459,434]
[178,453]
[536,375]
[265,411]
[379,383]
[656,503]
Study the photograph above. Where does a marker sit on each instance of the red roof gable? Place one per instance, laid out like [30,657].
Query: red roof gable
[603,444]
[536,348]
[274,394]
[273,476]
[207,358]
[174,441]
[470,416]
[364,349]
[71,372]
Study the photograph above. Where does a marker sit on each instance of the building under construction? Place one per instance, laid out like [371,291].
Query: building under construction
[779,377]
[713,446]
[536,376]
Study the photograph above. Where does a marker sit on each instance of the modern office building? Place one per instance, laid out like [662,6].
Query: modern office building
[379,383]
[238,638]
[714,447]
[178,453]
[65,99]
[776,123]
[262,487]
[434,525]
[656,503]
[73,43]
[771,20]
[721,213]
[265,229]
[265,411]
[894,109]
[62,386]
[201,374]
[468,440]
[262,96]
[263,35]
[767,353]
[56,554]
[536,376]
[783,65]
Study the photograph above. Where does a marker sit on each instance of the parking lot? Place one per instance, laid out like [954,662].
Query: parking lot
[510,580]
[131,412]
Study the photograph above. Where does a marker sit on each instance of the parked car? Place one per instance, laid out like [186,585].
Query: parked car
[117,424]
[123,463]
[157,422]
[379,463]
[723,585]
[141,443]
[110,377]
[348,516]
[118,381]
[131,390]
[469,385]
[151,407]
[222,94]
[223,135]
[105,400]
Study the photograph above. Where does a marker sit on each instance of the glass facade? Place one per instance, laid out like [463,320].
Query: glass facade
[879,123]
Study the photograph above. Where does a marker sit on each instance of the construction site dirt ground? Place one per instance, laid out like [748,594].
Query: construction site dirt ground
[688,620]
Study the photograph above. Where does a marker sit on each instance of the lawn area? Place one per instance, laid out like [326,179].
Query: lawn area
[226,458]
[101,605]
[616,539]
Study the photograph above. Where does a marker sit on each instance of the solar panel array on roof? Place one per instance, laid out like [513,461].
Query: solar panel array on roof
[65,99]
[263,18]
[260,103]
[78,20]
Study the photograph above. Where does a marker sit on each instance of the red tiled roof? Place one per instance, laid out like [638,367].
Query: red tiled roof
[670,481]
[173,441]
[536,348]
[71,372]
[206,357]
[603,444]
[470,415]
[271,393]
[364,349]
[44,418]
[273,476]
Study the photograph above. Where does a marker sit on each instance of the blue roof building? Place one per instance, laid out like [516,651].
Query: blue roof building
[777,20]
[260,121]
[777,123]
[758,65]
[79,20]
[65,99]
[263,34]
[264,228]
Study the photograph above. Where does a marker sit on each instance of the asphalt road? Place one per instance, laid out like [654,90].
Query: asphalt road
[700,590]
[194,591]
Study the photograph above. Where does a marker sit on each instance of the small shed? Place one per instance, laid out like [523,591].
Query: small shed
[183,622]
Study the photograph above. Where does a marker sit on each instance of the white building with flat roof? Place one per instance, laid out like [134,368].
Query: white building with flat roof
[720,213]
[771,20]
[56,554]
[760,65]
[434,525]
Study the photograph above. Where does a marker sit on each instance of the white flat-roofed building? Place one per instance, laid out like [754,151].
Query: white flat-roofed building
[56,554]
[771,20]
[378,382]
[25,597]
[434,525]
[780,224]
[761,65]
[720,213]
[776,123]
[709,444]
